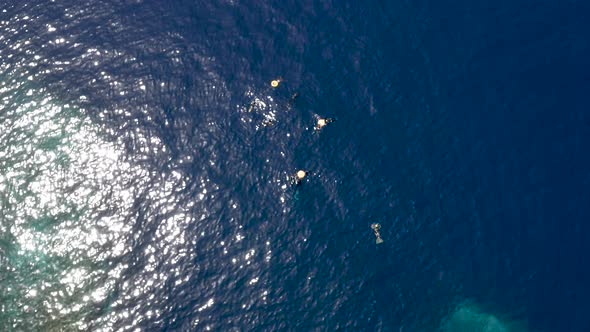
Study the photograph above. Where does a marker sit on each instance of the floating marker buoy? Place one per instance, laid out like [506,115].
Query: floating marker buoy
[299,177]
[275,83]
[301,174]
[321,123]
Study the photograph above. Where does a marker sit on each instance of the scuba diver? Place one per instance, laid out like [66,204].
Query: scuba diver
[376,227]
[322,122]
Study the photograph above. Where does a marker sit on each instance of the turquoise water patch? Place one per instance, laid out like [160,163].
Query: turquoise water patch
[469,317]
[66,228]
[55,175]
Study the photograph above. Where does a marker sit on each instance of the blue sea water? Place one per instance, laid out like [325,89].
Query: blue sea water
[146,165]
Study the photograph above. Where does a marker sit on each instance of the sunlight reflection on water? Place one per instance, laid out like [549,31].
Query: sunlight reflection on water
[102,224]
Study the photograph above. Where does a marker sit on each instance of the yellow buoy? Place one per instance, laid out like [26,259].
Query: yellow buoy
[275,83]
[301,174]
[322,123]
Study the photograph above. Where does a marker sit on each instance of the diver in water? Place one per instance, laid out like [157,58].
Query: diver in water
[376,227]
[322,122]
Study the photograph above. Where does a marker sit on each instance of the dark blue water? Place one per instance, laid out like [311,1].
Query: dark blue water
[146,164]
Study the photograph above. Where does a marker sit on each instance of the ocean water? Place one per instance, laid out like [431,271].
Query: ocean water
[146,166]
